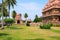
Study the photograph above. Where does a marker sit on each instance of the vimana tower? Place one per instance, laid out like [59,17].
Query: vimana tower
[51,12]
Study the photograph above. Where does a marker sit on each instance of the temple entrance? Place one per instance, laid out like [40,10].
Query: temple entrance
[18,21]
[59,18]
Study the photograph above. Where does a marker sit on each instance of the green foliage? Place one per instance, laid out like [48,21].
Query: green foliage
[46,26]
[10,3]
[37,19]
[27,24]
[0,14]
[14,14]
[8,21]
[25,15]
[0,7]
[5,12]
[24,21]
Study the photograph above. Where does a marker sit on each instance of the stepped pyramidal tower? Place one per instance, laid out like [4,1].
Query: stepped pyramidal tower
[51,12]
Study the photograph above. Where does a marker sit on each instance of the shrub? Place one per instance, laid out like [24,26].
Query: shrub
[27,24]
[8,21]
[46,26]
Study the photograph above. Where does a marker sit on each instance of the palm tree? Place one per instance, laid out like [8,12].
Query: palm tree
[26,15]
[2,16]
[10,3]
[5,12]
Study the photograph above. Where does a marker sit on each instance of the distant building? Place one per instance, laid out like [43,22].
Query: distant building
[29,21]
[51,12]
[18,19]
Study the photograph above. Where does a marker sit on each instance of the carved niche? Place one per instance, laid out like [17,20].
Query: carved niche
[47,13]
[55,11]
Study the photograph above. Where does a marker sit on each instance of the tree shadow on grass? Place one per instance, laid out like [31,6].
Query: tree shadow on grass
[56,31]
[36,39]
[55,37]
[8,38]
[3,34]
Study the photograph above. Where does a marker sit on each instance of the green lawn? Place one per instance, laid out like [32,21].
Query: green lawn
[21,32]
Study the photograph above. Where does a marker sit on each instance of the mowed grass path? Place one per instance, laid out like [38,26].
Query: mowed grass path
[22,32]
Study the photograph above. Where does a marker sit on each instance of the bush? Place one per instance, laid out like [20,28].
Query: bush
[8,21]
[46,26]
[27,24]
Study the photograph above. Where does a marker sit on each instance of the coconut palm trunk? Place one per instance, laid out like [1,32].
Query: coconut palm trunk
[2,16]
[26,21]
[9,13]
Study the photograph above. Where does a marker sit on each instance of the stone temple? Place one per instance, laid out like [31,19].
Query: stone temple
[18,19]
[51,12]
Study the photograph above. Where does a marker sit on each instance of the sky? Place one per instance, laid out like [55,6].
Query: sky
[31,7]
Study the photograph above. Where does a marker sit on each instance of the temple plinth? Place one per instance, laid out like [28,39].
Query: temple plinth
[51,12]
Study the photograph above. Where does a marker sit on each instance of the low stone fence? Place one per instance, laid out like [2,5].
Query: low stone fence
[35,24]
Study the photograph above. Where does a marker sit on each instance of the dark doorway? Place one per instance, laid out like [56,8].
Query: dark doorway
[18,21]
[59,18]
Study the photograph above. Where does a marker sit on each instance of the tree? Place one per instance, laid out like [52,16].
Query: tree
[37,19]
[2,15]
[40,19]
[14,14]
[7,3]
[9,21]
[5,12]
[10,3]
[26,15]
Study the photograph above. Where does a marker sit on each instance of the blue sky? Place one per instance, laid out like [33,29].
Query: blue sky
[31,7]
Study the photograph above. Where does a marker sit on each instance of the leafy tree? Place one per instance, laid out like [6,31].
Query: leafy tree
[26,15]
[14,14]
[8,21]
[37,19]
[40,19]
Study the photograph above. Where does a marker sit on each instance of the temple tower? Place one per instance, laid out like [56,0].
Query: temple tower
[18,19]
[51,12]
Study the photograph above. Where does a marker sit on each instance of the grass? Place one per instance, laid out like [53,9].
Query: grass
[55,37]
[22,32]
